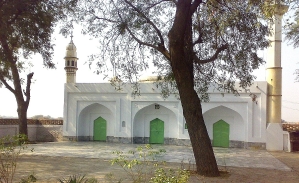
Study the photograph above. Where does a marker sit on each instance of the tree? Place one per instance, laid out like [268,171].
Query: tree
[25,29]
[192,43]
[292,29]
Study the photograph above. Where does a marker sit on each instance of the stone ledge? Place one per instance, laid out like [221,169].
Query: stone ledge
[31,122]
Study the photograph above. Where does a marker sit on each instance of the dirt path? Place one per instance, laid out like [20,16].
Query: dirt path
[50,169]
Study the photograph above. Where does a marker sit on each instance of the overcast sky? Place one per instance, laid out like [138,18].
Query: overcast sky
[47,88]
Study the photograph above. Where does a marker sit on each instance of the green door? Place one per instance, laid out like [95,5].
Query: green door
[99,129]
[156,131]
[221,134]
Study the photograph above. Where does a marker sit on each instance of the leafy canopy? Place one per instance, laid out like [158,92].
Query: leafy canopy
[292,29]
[25,29]
[226,35]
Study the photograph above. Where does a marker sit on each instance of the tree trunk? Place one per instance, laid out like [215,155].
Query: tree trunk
[201,143]
[181,51]
[203,152]
[21,102]
[22,114]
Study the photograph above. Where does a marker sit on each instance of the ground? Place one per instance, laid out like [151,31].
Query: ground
[50,169]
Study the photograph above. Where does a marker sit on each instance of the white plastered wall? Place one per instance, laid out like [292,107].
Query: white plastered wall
[123,108]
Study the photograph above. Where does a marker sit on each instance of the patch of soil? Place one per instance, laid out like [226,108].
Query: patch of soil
[50,169]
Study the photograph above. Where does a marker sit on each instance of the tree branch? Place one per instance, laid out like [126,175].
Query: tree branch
[148,21]
[105,19]
[198,41]
[175,2]
[27,93]
[213,58]
[6,84]
[153,5]
[194,6]
[160,48]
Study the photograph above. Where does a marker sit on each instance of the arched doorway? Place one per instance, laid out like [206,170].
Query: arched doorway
[87,118]
[221,134]
[156,131]
[100,129]
[148,113]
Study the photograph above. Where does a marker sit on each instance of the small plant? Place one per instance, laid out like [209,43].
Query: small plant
[142,165]
[10,149]
[139,164]
[78,179]
[170,176]
[29,179]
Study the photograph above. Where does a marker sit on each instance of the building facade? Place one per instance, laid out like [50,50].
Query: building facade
[98,112]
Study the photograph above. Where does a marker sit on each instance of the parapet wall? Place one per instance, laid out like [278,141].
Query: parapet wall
[38,130]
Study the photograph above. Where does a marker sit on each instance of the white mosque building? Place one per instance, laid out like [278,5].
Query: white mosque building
[98,112]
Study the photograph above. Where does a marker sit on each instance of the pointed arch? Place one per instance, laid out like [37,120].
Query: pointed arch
[238,128]
[143,118]
[92,112]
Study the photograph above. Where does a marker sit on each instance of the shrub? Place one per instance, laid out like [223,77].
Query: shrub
[78,179]
[10,149]
[29,179]
[143,165]
[170,176]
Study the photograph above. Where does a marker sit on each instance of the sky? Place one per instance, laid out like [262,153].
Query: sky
[47,90]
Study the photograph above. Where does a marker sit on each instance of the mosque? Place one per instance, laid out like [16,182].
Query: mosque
[98,112]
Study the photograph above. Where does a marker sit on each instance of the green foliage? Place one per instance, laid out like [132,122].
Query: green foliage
[10,149]
[78,179]
[16,16]
[25,29]
[29,179]
[170,176]
[226,36]
[292,28]
[292,24]
[142,165]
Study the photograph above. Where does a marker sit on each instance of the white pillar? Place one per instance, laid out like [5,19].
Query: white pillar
[274,141]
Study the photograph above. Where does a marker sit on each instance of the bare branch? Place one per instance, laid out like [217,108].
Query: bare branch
[213,58]
[6,84]
[155,4]
[105,19]
[27,93]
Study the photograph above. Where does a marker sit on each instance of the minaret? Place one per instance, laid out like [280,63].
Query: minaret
[274,80]
[71,62]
